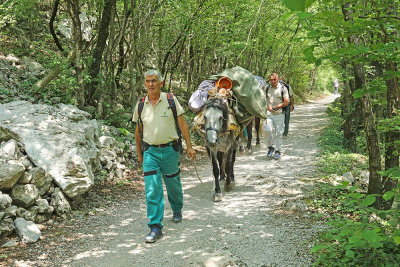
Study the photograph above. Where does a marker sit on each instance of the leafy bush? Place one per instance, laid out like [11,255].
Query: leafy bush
[331,139]
[340,163]
[14,12]
[358,234]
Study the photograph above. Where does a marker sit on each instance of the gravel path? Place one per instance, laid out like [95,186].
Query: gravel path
[260,223]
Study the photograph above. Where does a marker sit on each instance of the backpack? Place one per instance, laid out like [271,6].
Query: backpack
[171,103]
[200,96]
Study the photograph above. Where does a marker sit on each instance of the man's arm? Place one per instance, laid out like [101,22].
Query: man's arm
[138,140]
[186,135]
[282,104]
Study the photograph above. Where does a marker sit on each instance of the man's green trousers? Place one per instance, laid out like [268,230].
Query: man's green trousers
[161,163]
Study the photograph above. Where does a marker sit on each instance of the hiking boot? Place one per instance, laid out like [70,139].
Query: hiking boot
[155,233]
[177,217]
[277,155]
[270,152]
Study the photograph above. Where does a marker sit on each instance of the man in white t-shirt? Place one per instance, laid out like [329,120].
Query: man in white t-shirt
[277,98]
[335,85]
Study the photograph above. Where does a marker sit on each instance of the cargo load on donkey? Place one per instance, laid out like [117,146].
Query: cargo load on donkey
[248,98]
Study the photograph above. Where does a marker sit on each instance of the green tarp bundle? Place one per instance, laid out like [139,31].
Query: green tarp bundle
[247,90]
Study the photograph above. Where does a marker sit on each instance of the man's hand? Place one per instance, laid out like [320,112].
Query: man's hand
[191,153]
[270,108]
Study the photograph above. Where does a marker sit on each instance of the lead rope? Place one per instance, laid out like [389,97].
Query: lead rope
[195,167]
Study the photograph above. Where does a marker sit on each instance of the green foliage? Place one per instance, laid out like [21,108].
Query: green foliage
[124,131]
[4,91]
[17,11]
[391,124]
[118,118]
[339,163]
[325,76]
[358,234]
[298,5]
[331,139]
[123,182]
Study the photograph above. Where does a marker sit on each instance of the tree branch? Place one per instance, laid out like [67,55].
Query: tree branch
[51,26]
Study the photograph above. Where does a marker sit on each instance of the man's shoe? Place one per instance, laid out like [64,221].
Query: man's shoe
[270,152]
[155,233]
[177,217]
[277,155]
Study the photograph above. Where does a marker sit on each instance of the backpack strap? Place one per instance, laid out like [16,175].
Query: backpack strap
[140,109]
[287,88]
[284,85]
[172,106]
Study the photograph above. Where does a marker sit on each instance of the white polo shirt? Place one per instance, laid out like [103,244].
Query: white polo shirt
[158,120]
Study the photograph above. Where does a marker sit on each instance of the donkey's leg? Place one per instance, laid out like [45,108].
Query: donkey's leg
[217,190]
[233,164]
[221,169]
[257,127]
[249,130]
[230,181]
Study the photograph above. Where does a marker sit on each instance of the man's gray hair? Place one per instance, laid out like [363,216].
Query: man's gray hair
[156,73]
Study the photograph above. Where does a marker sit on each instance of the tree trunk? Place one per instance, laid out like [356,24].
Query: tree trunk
[348,113]
[121,50]
[97,54]
[392,136]
[371,133]
[51,25]
[74,11]
[190,68]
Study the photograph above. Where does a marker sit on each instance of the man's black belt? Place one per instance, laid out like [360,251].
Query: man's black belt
[167,144]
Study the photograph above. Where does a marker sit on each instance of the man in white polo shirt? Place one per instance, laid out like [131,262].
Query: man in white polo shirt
[277,98]
[157,135]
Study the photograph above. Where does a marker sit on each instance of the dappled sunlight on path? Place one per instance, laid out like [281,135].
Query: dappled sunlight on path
[250,227]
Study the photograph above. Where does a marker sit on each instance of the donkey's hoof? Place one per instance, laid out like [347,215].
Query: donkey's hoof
[217,197]
[229,187]
[249,151]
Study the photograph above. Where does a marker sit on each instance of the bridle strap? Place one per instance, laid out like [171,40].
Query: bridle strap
[212,129]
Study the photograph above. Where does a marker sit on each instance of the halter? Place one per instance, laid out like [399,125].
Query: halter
[212,129]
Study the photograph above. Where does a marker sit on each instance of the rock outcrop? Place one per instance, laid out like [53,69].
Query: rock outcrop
[60,139]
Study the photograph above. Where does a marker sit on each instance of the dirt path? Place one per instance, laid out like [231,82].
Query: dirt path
[253,225]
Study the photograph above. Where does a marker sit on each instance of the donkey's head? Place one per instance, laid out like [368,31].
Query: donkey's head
[216,119]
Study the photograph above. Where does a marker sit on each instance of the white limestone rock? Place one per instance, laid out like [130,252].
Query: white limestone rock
[24,195]
[9,174]
[27,230]
[61,139]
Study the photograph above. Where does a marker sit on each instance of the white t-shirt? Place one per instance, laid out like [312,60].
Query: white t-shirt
[274,97]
